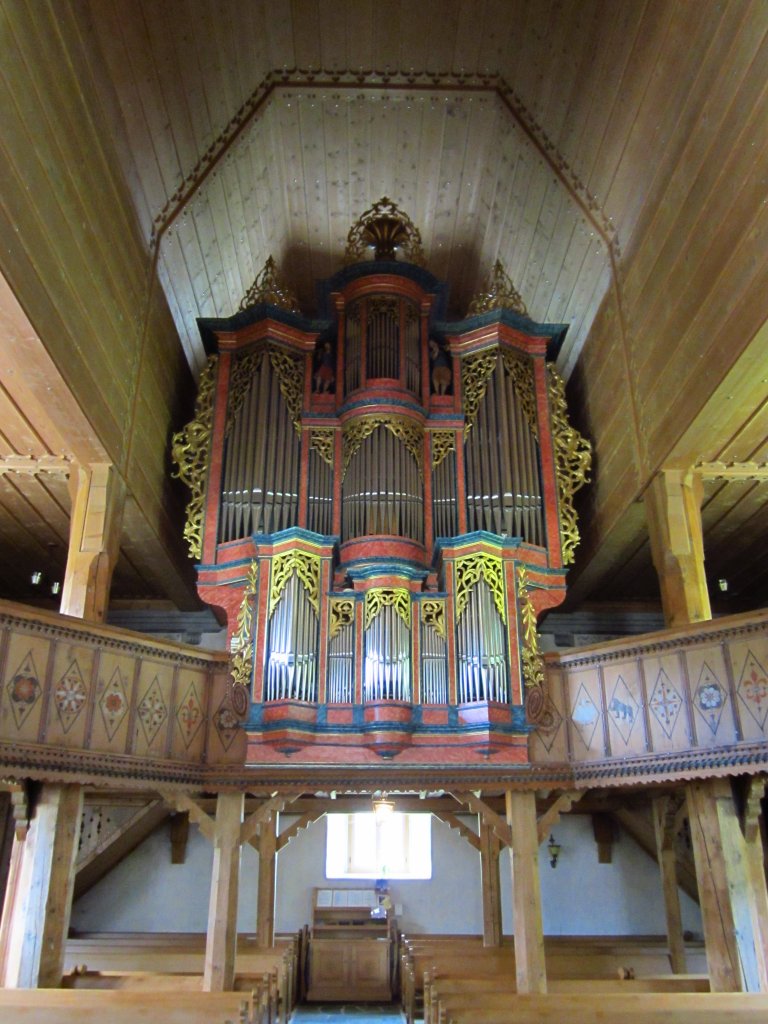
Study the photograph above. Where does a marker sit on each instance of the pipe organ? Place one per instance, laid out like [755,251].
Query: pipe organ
[381,507]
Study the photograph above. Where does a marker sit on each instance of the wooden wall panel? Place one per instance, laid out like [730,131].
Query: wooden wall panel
[668,703]
[711,697]
[115,695]
[749,667]
[585,713]
[154,709]
[68,720]
[625,708]
[26,661]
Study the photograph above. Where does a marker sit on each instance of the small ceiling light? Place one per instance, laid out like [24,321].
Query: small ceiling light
[723,584]
[382,808]
[55,587]
[553,849]
[36,578]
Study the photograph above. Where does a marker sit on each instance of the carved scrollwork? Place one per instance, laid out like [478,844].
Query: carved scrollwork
[270,287]
[433,614]
[190,450]
[239,383]
[385,226]
[523,381]
[410,433]
[380,597]
[443,443]
[533,663]
[307,568]
[470,570]
[342,614]
[499,293]
[321,439]
[242,642]
[476,371]
[290,373]
[573,460]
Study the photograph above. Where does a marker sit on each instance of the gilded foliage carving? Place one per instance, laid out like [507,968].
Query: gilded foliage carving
[443,443]
[498,293]
[433,614]
[239,383]
[473,568]
[476,371]
[242,642]
[190,450]
[410,433]
[573,460]
[270,287]
[381,597]
[384,225]
[307,568]
[321,440]
[533,663]
[383,305]
[524,383]
[342,614]
[290,373]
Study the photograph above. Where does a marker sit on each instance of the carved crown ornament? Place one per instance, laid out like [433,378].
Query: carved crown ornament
[498,293]
[270,287]
[385,227]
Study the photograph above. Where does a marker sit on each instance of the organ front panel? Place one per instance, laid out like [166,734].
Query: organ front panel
[386,511]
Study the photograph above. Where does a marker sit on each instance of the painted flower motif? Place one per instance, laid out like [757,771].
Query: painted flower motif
[69,697]
[113,703]
[710,697]
[227,719]
[24,689]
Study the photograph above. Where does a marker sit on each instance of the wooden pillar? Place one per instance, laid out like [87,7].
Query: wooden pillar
[530,967]
[221,942]
[711,846]
[664,825]
[97,494]
[490,848]
[673,509]
[39,901]
[755,867]
[265,909]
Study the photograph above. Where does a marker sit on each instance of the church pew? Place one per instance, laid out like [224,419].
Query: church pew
[83,1006]
[585,1008]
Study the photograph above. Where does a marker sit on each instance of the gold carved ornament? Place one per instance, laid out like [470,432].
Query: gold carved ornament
[240,380]
[342,614]
[242,642]
[190,450]
[433,614]
[380,597]
[573,460]
[306,567]
[524,383]
[290,373]
[384,226]
[270,287]
[476,371]
[533,663]
[499,293]
[443,443]
[322,441]
[410,433]
[469,571]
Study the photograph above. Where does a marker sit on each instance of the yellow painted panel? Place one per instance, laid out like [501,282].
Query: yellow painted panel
[71,701]
[624,711]
[585,713]
[190,715]
[23,685]
[713,717]
[668,703]
[114,695]
[154,700]
[749,659]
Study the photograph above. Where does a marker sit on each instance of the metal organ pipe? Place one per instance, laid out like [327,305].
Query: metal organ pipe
[293,640]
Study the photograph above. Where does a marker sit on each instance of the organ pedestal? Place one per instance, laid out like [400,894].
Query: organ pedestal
[382,508]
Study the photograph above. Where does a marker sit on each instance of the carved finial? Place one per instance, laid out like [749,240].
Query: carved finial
[499,293]
[385,227]
[269,287]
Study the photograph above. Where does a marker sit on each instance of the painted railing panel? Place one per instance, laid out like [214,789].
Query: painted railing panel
[698,688]
[87,689]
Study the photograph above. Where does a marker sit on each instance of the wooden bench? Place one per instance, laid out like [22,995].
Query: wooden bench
[82,1006]
[610,1008]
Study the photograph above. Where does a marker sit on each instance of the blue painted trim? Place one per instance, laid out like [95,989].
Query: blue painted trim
[372,567]
[209,326]
[376,403]
[355,271]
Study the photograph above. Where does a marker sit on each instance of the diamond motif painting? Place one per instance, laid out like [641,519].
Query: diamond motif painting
[23,690]
[153,711]
[70,696]
[752,689]
[189,715]
[114,703]
[665,703]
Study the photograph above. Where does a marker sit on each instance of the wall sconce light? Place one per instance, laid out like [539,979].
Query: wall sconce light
[553,849]
[55,587]
[36,578]
[723,585]
[382,808]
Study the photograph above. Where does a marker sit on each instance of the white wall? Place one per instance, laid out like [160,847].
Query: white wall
[580,897]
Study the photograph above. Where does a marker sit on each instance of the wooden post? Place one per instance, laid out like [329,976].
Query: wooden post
[755,866]
[673,509]
[265,910]
[221,942]
[97,494]
[664,826]
[490,847]
[38,907]
[714,895]
[530,967]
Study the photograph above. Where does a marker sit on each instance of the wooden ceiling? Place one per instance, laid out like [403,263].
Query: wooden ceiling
[554,135]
